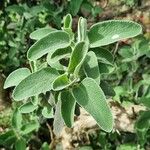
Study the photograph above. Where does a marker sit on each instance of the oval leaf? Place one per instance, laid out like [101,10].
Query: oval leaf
[108,32]
[67,21]
[16,77]
[60,82]
[82,29]
[41,33]
[90,96]
[27,107]
[67,108]
[77,57]
[36,83]
[53,41]
[91,67]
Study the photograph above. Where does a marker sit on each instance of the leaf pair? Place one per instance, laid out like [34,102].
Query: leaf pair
[90,96]
[65,108]
[77,59]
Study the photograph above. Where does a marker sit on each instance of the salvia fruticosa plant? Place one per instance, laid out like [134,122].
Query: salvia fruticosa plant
[70,73]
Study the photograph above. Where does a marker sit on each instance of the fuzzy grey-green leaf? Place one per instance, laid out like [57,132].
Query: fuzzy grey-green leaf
[90,96]
[28,107]
[40,33]
[91,67]
[108,32]
[67,107]
[52,41]
[67,21]
[60,82]
[36,83]
[77,57]
[16,77]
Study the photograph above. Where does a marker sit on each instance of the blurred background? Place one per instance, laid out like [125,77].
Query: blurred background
[129,75]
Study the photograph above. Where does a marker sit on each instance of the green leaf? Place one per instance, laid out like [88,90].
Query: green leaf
[4,136]
[142,126]
[91,67]
[16,77]
[16,8]
[27,107]
[54,57]
[47,111]
[41,33]
[53,41]
[60,82]
[143,122]
[45,146]
[96,11]
[58,120]
[27,128]
[60,54]
[17,119]
[103,55]
[75,6]
[77,57]
[35,100]
[20,144]
[36,83]
[67,21]
[82,29]
[67,108]
[90,96]
[126,51]
[108,32]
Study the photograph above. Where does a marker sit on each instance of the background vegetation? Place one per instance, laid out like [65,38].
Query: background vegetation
[128,73]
